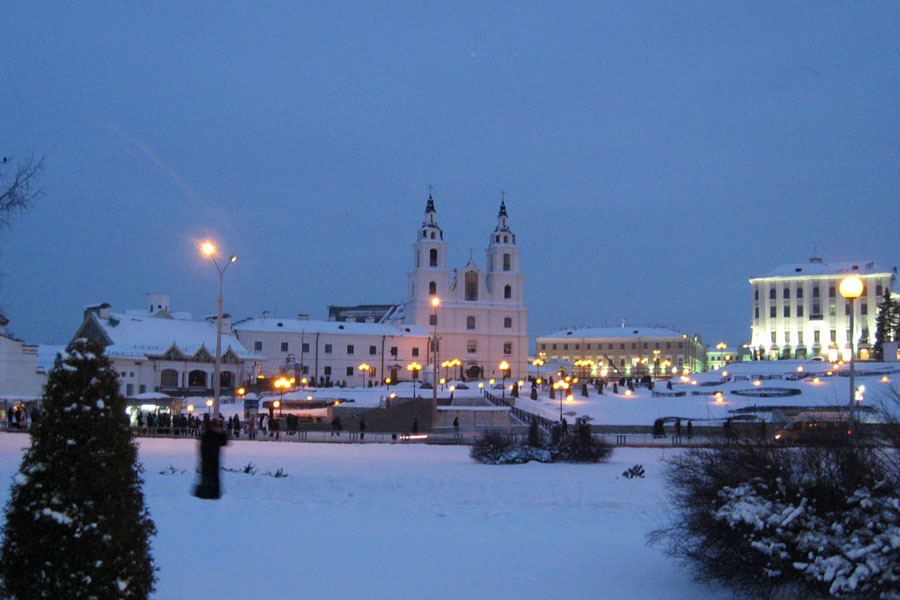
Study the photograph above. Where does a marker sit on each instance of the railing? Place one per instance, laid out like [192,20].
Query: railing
[524,417]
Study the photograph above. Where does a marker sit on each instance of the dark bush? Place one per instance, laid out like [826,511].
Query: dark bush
[491,447]
[789,522]
[535,439]
[579,448]
[635,472]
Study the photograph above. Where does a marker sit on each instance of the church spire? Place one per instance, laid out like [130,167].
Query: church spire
[503,205]
[502,233]
[430,227]
[429,206]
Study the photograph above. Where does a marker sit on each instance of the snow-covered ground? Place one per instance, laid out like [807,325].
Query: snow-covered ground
[403,521]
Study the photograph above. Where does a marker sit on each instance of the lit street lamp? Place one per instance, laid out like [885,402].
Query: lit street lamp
[562,386]
[414,368]
[435,302]
[538,362]
[504,367]
[365,369]
[852,288]
[209,250]
[282,384]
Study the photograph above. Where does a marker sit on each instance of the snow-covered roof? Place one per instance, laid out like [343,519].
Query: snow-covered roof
[141,336]
[335,327]
[817,268]
[615,332]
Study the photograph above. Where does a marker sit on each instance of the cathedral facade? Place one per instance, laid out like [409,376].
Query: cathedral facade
[476,317]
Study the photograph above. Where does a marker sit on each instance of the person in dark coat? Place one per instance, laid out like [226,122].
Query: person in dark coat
[362,428]
[415,427]
[236,426]
[214,437]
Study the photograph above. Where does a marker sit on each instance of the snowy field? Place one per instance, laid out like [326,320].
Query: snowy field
[403,521]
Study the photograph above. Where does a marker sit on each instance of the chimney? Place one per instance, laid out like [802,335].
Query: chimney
[101,310]
[157,303]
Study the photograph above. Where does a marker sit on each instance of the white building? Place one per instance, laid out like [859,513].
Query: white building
[333,351]
[155,350]
[798,311]
[481,319]
[19,375]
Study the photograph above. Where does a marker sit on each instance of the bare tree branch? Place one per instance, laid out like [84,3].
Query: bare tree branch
[17,191]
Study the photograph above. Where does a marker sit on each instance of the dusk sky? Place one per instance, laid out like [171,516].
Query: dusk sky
[654,156]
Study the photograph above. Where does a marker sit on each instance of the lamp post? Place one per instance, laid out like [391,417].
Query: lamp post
[561,385]
[414,368]
[282,384]
[435,302]
[504,367]
[538,362]
[365,368]
[209,250]
[852,288]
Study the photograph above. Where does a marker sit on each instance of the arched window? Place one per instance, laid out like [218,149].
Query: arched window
[197,379]
[470,322]
[226,380]
[168,379]
[507,262]
[471,285]
[433,255]
[432,288]
[507,292]
[432,235]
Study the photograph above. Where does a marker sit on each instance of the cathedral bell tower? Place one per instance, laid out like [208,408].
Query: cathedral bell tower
[430,276]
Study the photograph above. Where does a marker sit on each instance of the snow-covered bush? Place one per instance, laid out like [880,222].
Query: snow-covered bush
[581,447]
[76,525]
[802,522]
[495,448]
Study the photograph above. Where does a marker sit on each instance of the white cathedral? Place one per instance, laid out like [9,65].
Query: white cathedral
[481,317]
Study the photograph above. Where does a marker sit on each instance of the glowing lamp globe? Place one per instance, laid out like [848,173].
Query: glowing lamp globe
[851,287]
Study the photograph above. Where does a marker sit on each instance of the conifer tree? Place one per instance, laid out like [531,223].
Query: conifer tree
[887,324]
[76,524]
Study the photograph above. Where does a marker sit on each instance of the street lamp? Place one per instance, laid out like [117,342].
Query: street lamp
[561,385]
[538,362]
[414,368]
[435,302]
[365,368]
[504,367]
[852,288]
[282,384]
[209,250]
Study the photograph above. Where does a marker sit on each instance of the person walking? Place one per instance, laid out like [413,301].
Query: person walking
[456,426]
[362,428]
[415,427]
[214,437]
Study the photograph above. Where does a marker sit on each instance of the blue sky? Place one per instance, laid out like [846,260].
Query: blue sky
[654,155]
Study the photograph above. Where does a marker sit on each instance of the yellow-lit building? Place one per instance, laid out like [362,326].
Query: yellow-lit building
[625,351]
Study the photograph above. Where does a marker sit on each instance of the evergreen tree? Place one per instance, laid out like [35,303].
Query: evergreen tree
[76,524]
[887,324]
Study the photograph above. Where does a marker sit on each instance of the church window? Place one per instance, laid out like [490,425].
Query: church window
[433,257]
[497,239]
[349,348]
[507,348]
[471,347]
[470,322]
[471,285]
[432,319]
[415,351]
[432,235]
[327,348]
[507,262]
[507,322]
[257,346]
[507,292]
[432,288]
[505,239]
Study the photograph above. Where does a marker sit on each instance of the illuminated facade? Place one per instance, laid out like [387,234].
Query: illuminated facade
[798,311]
[625,351]
[718,357]
[481,319]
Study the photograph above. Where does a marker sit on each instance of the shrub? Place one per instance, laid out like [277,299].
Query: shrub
[635,472]
[495,448]
[805,522]
[579,448]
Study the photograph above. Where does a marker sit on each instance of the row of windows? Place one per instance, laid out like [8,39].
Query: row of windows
[470,321]
[814,314]
[433,259]
[471,287]
[817,335]
[623,361]
[329,348]
[798,293]
[634,346]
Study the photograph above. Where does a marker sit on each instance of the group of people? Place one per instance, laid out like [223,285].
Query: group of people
[19,417]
